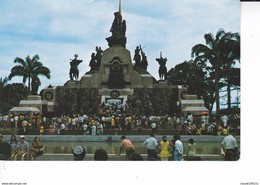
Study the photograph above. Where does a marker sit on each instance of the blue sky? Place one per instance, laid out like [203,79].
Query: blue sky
[56,30]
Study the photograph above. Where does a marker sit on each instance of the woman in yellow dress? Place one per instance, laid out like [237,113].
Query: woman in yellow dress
[164,146]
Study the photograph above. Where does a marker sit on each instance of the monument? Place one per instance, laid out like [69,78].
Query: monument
[113,76]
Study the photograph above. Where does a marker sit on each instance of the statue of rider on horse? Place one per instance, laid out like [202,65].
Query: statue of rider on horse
[74,71]
[163,69]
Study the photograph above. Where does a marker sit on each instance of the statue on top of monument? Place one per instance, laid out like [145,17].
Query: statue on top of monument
[162,69]
[74,71]
[137,57]
[123,27]
[117,27]
[144,62]
[118,30]
[98,56]
[92,63]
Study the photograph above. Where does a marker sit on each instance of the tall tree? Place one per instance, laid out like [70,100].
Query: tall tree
[3,84]
[11,94]
[212,56]
[231,57]
[187,73]
[30,69]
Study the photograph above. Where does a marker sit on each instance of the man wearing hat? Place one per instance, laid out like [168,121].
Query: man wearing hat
[230,147]
[23,148]
[79,153]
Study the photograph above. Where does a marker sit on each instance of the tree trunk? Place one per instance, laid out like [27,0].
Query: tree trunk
[217,84]
[29,84]
[229,91]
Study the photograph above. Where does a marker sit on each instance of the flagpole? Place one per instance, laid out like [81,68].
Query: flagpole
[120,9]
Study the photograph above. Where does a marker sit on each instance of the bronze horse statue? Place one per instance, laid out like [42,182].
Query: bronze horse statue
[74,71]
[162,69]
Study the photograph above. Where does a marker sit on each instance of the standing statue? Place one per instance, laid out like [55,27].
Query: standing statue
[144,62]
[123,30]
[116,27]
[35,84]
[74,71]
[163,69]
[137,57]
[118,30]
[92,63]
[98,56]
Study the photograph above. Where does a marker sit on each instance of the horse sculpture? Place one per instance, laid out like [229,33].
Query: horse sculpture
[74,72]
[162,69]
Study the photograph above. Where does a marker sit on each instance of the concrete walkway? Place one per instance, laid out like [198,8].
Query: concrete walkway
[109,138]
[114,157]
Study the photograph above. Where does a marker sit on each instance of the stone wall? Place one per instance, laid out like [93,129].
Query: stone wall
[144,101]
[156,101]
[74,100]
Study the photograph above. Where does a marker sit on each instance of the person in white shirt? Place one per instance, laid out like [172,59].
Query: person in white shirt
[85,127]
[24,125]
[151,144]
[62,127]
[73,123]
[224,119]
[230,147]
[101,129]
[93,131]
[153,125]
[190,118]
[16,119]
[178,151]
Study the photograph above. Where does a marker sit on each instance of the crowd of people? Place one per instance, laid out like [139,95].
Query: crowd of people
[13,149]
[153,148]
[114,116]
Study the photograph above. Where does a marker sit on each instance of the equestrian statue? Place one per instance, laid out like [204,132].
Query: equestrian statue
[162,69]
[74,71]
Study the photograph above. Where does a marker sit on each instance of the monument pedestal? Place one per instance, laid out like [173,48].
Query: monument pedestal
[71,84]
[163,84]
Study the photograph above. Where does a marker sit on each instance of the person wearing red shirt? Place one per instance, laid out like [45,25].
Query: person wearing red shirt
[129,147]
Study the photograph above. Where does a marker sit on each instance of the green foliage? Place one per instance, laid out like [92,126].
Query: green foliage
[30,69]
[11,94]
[219,54]
[187,73]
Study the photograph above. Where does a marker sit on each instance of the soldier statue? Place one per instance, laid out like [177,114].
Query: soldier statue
[137,57]
[74,71]
[163,69]
[98,56]
[144,62]
[92,63]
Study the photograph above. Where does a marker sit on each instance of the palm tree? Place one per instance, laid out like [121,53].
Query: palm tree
[3,84]
[212,55]
[231,57]
[30,69]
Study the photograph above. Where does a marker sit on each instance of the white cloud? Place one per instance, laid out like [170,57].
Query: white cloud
[56,30]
